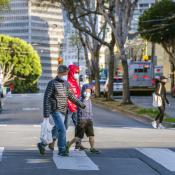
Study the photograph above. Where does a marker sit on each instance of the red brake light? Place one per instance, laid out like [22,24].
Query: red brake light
[135,77]
[146,77]
[153,82]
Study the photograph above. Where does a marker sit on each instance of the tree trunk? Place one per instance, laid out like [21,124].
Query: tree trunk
[111,73]
[126,91]
[172,79]
[97,71]
[78,57]
[88,65]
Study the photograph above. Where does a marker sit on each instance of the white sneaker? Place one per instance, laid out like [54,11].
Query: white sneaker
[154,124]
[161,126]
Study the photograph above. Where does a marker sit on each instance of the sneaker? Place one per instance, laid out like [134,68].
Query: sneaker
[41,148]
[52,145]
[63,153]
[94,151]
[161,126]
[68,147]
[80,147]
[154,124]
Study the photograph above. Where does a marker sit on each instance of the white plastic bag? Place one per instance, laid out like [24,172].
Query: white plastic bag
[46,132]
[157,100]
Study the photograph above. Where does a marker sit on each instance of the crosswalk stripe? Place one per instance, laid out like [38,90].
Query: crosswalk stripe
[2,125]
[77,160]
[1,153]
[165,157]
[30,109]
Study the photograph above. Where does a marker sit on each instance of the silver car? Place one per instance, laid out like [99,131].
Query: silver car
[118,85]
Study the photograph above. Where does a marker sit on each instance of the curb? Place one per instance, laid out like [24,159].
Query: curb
[145,119]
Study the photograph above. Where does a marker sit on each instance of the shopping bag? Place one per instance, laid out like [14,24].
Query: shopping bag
[46,132]
[157,100]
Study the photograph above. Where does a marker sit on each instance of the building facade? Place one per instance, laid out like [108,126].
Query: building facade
[69,50]
[40,26]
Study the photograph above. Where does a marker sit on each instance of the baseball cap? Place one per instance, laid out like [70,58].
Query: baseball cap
[163,77]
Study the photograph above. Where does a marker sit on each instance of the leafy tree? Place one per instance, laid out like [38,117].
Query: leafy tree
[157,25]
[85,15]
[19,62]
[4,4]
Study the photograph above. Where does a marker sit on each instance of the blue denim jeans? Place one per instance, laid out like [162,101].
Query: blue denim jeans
[68,116]
[59,130]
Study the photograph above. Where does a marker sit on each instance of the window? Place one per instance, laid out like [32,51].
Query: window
[144,70]
[22,24]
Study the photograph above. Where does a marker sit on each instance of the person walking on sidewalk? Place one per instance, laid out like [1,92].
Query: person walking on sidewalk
[85,121]
[55,103]
[161,91]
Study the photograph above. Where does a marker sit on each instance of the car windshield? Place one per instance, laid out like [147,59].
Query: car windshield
[118,80]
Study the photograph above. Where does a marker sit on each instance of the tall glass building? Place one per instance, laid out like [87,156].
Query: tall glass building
[43,27]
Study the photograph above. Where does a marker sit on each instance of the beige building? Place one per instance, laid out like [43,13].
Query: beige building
[163,60]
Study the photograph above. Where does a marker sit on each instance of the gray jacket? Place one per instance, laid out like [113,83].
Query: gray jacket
[85,114]
[56,96]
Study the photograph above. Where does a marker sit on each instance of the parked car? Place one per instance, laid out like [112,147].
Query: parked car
[102,84]
[118,85]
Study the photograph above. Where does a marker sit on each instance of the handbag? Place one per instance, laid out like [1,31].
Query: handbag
[157,99]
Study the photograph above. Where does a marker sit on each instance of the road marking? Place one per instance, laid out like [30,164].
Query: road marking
[165,157]
[37,126]
[77,160]
[34,161]
[1,152]
[2,125]
[30,109]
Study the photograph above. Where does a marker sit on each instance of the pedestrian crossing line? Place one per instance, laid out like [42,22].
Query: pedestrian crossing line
[77,160]
[37,126]
[2,125]
[165,157]
[1,153]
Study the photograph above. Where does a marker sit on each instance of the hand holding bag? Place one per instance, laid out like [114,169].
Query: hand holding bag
[46,132]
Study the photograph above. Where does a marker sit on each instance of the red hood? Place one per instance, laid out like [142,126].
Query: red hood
[73,85]
[72,70]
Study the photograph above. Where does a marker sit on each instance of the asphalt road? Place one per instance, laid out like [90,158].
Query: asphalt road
[128,147]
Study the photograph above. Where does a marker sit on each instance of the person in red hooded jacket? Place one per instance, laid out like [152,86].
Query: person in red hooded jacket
[73,80]
[73,76]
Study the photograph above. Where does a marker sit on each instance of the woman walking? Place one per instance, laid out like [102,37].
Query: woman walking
[161,91]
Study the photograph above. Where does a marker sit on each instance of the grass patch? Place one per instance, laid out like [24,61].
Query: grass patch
[148,111]
[171,120]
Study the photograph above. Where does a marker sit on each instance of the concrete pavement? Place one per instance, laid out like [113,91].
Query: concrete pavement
[118,137]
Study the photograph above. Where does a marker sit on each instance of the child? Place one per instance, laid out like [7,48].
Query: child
[85,121]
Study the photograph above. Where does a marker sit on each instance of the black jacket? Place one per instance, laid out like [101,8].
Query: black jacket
[56,96]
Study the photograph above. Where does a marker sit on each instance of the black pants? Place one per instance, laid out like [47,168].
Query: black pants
[161,113]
